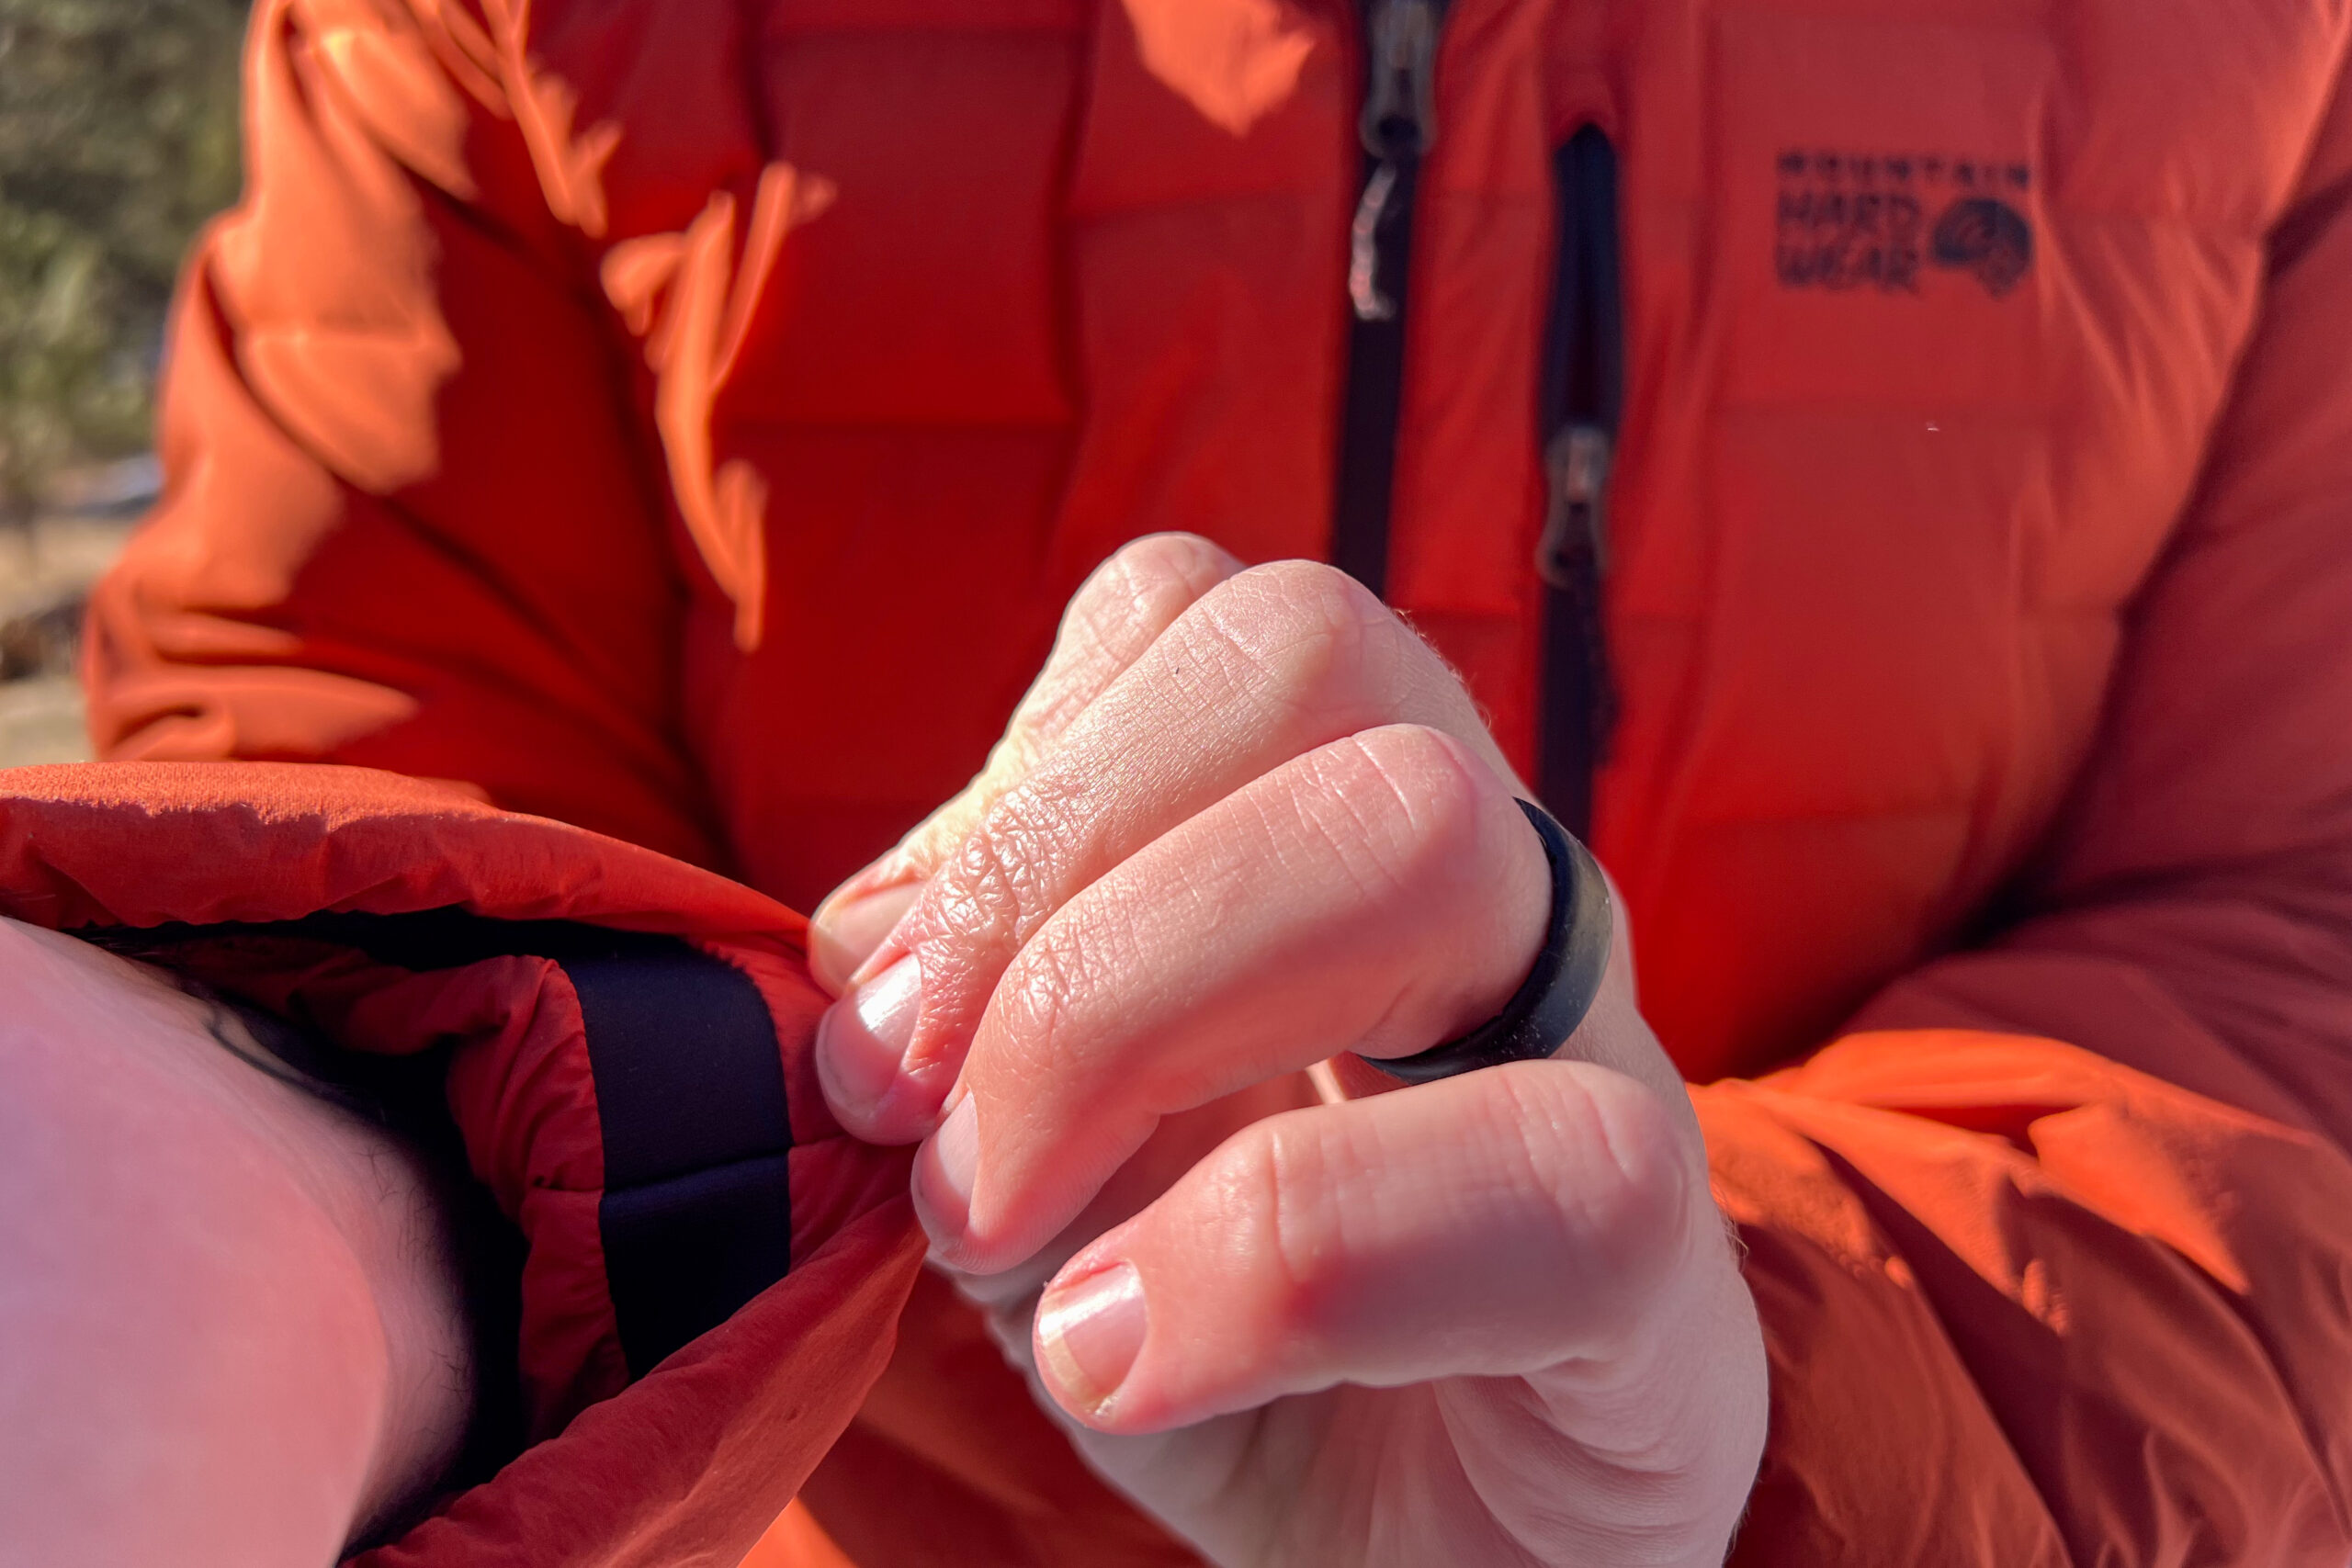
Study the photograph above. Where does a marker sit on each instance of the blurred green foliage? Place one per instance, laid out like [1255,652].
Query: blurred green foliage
[118,138]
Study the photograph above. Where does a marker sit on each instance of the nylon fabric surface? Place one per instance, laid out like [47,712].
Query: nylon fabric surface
[745,385]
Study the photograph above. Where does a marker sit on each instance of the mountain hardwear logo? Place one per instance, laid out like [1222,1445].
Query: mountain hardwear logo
[1985,235]
[1849,220]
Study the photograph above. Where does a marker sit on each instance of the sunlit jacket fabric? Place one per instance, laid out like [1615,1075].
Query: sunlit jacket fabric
[521,961]
[683,418]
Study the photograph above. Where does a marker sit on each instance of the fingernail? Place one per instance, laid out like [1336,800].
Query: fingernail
[1090,1334]
[863,1039]
[944,1179]
[850,926]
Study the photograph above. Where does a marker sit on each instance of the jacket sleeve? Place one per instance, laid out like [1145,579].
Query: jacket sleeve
[407,520]
[2054,1249]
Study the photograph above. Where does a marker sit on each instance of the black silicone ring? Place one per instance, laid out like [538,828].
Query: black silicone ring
[1557,992]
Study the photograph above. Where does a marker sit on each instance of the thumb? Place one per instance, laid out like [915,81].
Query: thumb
[1116,613]
[1494,1224]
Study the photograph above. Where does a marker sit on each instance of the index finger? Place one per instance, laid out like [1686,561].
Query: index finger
[1270,665]
[1117,613]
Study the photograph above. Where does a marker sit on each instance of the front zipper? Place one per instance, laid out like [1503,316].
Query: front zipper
[1396,128]
[1582,387]
[1582,403]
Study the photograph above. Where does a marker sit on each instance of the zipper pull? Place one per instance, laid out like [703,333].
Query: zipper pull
[1575,535]
[1398,127]
[1403,92]
[1371,304]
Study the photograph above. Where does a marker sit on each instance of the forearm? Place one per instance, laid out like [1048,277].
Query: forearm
[234,1333]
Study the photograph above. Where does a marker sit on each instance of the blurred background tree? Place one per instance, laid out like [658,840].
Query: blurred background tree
[117,139]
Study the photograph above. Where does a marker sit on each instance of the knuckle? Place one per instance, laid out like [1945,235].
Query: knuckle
[1120,607]
[1431,771]
[1307,633]
[1000,880]
[1159,562]
[932,842]
[1036,1002]
[1325,593]
[1271,1172]
[1137,590]
[1323,606]
[1124,588]
[1605,1154]
[1421,804]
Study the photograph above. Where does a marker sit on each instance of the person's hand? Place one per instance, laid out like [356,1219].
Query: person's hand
[1247,821]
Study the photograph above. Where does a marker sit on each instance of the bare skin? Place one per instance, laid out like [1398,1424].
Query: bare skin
[230,1329]
[1246,821]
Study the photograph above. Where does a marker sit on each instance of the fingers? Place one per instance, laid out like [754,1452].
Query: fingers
[1498,1224]
[1266,667]
[1009,1297]
[1117,613]
[1380,894]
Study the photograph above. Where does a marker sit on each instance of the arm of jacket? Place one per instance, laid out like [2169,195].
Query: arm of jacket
[697,1273]
[2054,1248]
[376,546]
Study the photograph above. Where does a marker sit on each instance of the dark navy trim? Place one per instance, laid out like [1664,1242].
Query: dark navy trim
[696,1217]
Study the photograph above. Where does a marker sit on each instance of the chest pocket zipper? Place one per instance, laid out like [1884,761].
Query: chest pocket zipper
[1582,405]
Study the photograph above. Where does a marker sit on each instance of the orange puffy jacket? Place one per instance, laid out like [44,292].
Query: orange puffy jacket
[690,1220]
[685,418]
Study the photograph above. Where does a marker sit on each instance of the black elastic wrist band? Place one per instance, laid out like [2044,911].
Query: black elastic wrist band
[1557,992]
